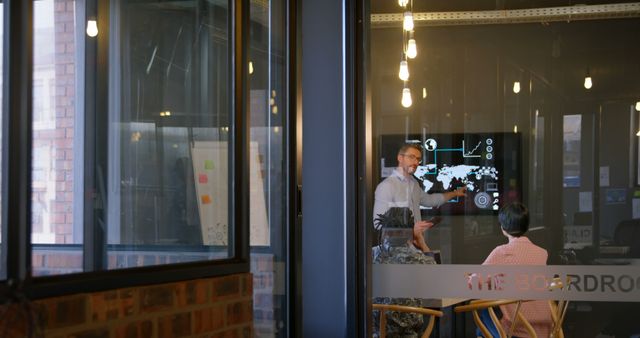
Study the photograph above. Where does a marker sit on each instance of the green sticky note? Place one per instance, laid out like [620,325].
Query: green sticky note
[636,193]
[208,165]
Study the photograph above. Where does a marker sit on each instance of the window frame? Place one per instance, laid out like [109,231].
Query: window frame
[17,143]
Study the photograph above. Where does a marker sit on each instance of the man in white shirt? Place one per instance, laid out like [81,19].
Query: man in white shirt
[402,190]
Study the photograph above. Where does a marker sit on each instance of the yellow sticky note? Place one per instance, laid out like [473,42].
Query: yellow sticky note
[208,165]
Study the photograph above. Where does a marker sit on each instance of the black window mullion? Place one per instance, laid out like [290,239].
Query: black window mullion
[16,138]
[239,29]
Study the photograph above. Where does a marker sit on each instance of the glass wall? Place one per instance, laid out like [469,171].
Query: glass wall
[131,149]
[541,112]
[268,171]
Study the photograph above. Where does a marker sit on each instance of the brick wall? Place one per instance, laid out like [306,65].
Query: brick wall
[213,308]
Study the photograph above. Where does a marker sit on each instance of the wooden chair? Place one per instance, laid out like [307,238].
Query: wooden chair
[489,305]
[558,309]
[402,308]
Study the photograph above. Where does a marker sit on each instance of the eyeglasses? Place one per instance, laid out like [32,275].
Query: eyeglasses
[412,157]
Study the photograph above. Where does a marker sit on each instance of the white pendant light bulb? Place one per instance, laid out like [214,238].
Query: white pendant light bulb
[407,24]
[424,93]
[588,83]
[403,3]
[406,98]
[412,50]
[638,106]
[403,73]
[516,87]
[92,28]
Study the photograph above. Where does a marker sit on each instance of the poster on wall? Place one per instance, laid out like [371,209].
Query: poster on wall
[210,169]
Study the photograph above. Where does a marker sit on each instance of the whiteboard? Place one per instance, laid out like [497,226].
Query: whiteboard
[211,177]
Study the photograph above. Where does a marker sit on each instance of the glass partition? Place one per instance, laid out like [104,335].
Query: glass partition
[268,170]
[132,163]
[510,109]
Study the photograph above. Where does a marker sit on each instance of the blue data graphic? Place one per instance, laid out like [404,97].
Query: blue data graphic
[487,164]
[470,163]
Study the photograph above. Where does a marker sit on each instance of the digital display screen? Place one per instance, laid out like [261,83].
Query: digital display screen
[487,164]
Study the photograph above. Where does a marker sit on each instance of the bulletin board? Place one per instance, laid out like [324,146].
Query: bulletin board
[210,170]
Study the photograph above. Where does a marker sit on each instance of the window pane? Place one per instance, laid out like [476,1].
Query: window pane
[155,168]
[267,167]
[572,127]
[168,179]
[55,146]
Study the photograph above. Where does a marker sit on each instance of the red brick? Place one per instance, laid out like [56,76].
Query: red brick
[239,312]
[140,329]
[156,298]
[226,287]
[178,325]
[208,320]
[247,283]
[65,311]
[227,334]
[93,333]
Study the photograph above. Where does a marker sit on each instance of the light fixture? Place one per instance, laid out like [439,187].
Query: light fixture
[403,3]
[406,97]
[407,24]
[412,50]
[638,106]
[424,92]
[516,87]
[588,83]
[403,73]
[515,128]
[250,67]
[92,27]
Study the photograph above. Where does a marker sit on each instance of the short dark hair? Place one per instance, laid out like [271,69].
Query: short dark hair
[406,147]
[514,219]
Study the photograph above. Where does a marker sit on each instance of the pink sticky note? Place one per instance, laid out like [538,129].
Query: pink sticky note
[206,199]
[203,178]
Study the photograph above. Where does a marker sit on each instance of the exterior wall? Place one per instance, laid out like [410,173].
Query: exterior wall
[214,307]
[54,119]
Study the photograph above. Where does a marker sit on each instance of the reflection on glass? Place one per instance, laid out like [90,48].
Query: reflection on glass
[572,127]
[168,174]
[54,139]
[267,167]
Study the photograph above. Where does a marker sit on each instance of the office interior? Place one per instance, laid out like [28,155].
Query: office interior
[532,84]
[167,181]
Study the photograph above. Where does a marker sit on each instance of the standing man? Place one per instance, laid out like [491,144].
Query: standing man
[402,190]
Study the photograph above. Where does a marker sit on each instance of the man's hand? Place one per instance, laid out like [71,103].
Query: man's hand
[422,226]
[459,192]
[418,237]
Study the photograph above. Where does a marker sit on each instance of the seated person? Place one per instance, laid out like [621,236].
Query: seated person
[514,221]
[398,246]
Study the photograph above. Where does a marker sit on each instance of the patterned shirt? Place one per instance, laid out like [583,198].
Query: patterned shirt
[399,190]
[520,251]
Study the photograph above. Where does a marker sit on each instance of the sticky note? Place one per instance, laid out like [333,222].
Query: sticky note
[203,178]
[208,165]
[206,199]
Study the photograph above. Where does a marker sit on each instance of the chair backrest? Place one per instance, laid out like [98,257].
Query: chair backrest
[627,233]
[383,308]
[475,307]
